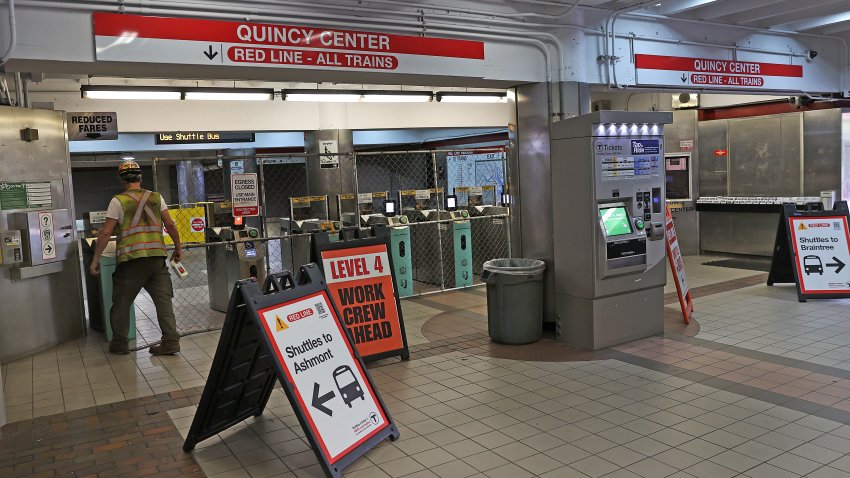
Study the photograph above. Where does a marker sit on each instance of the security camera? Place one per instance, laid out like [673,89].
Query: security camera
[811,55]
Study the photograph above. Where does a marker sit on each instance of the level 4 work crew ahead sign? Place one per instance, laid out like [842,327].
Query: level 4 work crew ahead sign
[361,282]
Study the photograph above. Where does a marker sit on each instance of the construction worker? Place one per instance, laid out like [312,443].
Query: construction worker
[138,216]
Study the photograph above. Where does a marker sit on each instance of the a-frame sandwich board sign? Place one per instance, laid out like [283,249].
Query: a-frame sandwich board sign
[812,250]
[359,271]
[290,331]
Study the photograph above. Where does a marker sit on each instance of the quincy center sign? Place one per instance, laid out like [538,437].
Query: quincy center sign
[138,38]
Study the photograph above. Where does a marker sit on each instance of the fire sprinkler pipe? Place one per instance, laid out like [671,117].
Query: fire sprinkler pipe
[540,45]
[13,34]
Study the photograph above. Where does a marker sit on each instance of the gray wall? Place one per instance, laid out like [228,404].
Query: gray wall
[94,187]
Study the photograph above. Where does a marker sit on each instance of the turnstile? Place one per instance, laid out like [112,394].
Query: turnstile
[242,258]
[446,233]
[400,250]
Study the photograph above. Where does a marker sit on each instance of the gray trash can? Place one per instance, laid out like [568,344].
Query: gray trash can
[514,300]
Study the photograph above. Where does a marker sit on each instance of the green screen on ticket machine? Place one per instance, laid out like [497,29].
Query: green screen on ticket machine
[615,220]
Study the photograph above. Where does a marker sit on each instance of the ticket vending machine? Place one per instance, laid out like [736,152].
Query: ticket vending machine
[608,215]
[399,245]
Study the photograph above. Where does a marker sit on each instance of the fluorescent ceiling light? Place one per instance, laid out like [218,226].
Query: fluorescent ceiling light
[472,97]
[397,96]
[225,94]
[130,93]
[332,96]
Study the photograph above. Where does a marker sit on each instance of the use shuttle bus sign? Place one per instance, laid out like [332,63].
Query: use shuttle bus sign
[139,38]
[717,73]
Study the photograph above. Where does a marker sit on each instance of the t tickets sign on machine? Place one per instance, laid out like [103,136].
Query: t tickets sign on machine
[245,194]
[717,73]
[137,38]
[341,407]
[361,283]
[822,253]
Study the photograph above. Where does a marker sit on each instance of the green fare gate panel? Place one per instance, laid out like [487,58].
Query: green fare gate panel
[402,260]
[462,232]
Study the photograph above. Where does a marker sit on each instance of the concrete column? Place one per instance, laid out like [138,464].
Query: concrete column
[163,181]
[190,182]
[530,182]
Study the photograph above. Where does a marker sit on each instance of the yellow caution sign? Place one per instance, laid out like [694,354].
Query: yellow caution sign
[280,325]
[802,227]
[191,223]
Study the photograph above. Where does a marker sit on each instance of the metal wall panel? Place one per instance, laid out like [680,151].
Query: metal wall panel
[822,148]
[713,178]
[738,233]
[531,186]
[42,311]
[764,156]
[685,217]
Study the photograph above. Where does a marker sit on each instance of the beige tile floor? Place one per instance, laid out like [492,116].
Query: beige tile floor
[473,415]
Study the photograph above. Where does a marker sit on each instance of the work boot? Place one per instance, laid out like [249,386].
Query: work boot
[118,348]
[165,348]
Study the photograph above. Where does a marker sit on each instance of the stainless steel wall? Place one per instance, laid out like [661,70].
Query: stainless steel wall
[531,187]
[42,311]
[685,216]
[822,151]
[793,154]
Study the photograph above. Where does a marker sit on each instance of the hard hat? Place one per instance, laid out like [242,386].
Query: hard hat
[128,167]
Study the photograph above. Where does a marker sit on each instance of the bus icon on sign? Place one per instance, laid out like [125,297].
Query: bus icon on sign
[812,265]
[347,384]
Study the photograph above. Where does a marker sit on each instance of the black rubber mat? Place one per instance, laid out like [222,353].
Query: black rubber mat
[754,264]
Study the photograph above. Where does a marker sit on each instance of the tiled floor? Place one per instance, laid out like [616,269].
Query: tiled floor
[758,387]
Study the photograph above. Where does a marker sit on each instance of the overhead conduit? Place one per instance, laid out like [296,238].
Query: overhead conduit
[267,12]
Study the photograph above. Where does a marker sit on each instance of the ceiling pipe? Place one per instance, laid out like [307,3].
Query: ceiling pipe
[13,34]
[170,11]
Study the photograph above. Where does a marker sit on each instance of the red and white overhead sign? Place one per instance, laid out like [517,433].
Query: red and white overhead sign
[245,194]
[138,38]
[330,386]
[714,73]
[822,252]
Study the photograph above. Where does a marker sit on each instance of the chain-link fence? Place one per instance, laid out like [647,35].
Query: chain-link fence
[300,194]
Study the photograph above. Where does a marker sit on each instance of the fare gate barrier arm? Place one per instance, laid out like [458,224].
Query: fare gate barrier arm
[256,348]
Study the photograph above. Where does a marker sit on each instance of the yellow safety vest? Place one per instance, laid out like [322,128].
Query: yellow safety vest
[140,233]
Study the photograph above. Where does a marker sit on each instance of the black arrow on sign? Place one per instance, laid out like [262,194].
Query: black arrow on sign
[48,248]
[210,53]
[684,78]
[319,402]
[837,264]
[93,135]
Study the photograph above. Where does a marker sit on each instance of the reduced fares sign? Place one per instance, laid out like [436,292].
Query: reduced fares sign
[715,73]
[361,283]
[330,387]
[137,38]
[822,254]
